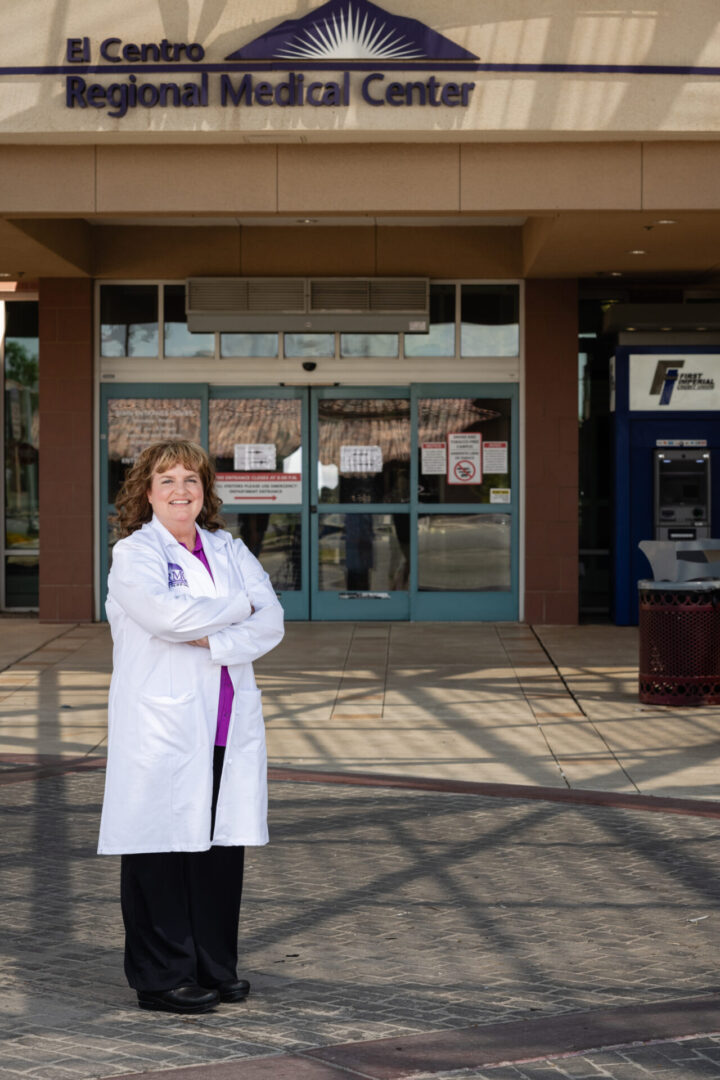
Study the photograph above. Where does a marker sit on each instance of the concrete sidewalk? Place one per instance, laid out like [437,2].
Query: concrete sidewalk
[501,703]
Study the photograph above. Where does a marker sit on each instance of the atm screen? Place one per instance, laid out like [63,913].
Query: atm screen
[677,491]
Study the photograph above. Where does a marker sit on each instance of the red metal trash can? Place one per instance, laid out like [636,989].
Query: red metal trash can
[680,642]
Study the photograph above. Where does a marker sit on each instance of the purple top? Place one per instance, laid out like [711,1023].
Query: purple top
[227,690]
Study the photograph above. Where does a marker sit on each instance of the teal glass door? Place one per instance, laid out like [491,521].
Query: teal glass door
[258,440]
[132,416]
[367,503]
[465,510]
[360,503]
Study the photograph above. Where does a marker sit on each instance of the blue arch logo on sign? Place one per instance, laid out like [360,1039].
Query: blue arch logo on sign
[351,30]
[357,38]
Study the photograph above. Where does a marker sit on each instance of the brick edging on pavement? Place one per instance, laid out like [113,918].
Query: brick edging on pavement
[480,1046]
[578,796]
[40,767]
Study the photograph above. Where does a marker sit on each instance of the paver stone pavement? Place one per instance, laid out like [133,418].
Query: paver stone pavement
[472,926]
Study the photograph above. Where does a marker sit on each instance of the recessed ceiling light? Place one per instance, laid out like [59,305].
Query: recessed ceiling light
[307,221]
[701,327]
[666,328]
[665,221]
[630,328]
[637,251]
[616,273]
[5,275]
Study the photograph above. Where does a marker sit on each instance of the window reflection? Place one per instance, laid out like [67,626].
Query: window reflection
[270,423]
[440,341]
[275,539]
[489,320]
[128,320]
[134,423]
[249,345]
[490,418]
[364,449]
[369,345]
[22,423]
[178,340]
[309,345]
[464,552]
[364,552]
[22,576]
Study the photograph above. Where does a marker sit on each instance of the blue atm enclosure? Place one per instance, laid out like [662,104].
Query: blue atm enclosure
[637,437]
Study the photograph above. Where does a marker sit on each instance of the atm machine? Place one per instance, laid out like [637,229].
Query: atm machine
[682,494]
[666,433]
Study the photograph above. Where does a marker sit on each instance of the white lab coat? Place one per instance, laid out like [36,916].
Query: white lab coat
[164,693]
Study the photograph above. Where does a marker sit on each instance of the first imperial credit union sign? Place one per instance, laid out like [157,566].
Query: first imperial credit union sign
[284,68]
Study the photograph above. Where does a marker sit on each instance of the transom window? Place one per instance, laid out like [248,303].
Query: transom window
[466,320]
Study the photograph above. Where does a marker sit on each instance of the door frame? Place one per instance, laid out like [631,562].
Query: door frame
[199,391]
[458,605]
[295,602]
[328,605]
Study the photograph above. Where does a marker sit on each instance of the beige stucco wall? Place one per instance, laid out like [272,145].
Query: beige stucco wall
[513,105]
[523,178]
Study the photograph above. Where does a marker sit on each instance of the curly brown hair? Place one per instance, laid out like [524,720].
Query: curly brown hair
[132,505]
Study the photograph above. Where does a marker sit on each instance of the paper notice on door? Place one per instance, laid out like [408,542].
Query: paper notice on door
[259,487]
[495,457]
[251,456]
[463,461]
[366,459]
[499,495]
[433,458]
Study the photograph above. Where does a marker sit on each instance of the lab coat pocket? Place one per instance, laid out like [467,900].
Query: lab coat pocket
[248,730]
[168,725]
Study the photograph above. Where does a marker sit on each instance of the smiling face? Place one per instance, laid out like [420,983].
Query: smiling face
[176,497]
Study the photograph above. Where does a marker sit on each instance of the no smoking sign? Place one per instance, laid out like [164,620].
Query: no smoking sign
[464,449]
[464,471]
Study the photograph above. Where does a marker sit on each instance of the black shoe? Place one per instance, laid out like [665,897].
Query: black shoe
[234,991]
[183,999]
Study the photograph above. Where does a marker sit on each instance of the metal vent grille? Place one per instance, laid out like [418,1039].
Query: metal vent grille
[338,294]
[281,294]
[251,295]
[217,294]
[362,305]
[398,294]
[401,295]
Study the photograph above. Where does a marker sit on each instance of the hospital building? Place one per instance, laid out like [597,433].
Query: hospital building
[437,285]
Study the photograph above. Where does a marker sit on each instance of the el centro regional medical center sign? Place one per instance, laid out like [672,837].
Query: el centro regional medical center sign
[355,37]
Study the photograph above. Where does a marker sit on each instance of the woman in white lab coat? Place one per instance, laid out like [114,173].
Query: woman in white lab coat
[186,789]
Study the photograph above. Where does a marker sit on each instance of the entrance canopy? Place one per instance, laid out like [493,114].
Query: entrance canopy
[559,143]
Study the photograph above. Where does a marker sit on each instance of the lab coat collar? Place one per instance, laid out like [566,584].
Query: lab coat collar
[202,583]
[166,536]
[216,552]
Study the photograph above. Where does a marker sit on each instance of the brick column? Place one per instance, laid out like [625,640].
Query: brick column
[66,450]
[551,452]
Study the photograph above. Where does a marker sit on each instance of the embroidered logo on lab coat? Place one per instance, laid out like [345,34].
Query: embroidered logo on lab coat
[176,575]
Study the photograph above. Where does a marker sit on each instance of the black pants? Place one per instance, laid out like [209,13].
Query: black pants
[181,911]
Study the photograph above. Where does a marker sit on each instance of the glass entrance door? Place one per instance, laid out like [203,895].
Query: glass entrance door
[466,513]
[258,440]
[360,510]
[414,503]
[371,503]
